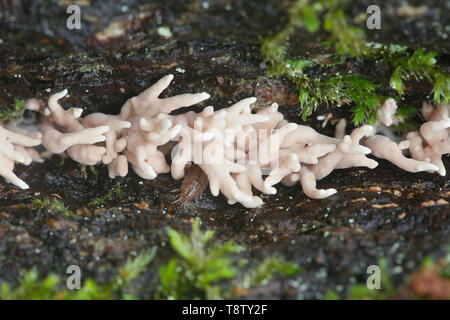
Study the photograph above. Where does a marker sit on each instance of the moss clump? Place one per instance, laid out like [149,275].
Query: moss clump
[113,194]
[14,113]
[419,65]
[93,171]
[338,90]
[327,17]
[208,270]
[200,268]
[53,288]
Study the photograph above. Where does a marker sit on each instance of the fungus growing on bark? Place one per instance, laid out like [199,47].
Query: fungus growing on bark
[234,147]
[347,153]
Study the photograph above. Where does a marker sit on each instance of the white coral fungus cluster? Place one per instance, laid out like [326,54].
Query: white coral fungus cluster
[237,149]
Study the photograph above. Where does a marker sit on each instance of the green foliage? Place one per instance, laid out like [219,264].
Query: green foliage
[273,48]
[31,288]
[314,16]
[346,38]
[348,41]
[134,267]
[203,265]
[338,90]
[334,90]
[116,288]
[113,194]
[14,113]
[207,270]
[419,65]
[94,171]
[264,271]
[331,295]
[445,270]
[201,269]
[53,288]
[273,51]
[310,19]
[405,112]
[53,205]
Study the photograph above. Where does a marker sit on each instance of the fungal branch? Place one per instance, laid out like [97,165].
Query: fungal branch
[237,150]
[16,147]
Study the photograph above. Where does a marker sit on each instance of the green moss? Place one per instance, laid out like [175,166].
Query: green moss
[94,171]
[53,287]
[207,270]
[327,17]
[14,113]
[407,121]
[31,288]
[362,292]
[200,269]
[445,270]
[338,90]
[331,295]
[346,38]
[419,65]
[262,273]
[53,205]
[113,194]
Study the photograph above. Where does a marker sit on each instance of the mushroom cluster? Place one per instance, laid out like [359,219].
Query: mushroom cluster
[237,149]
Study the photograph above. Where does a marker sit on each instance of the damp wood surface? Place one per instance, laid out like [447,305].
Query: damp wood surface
[386,212]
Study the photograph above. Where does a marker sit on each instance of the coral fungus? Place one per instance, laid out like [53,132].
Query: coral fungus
[234,147]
